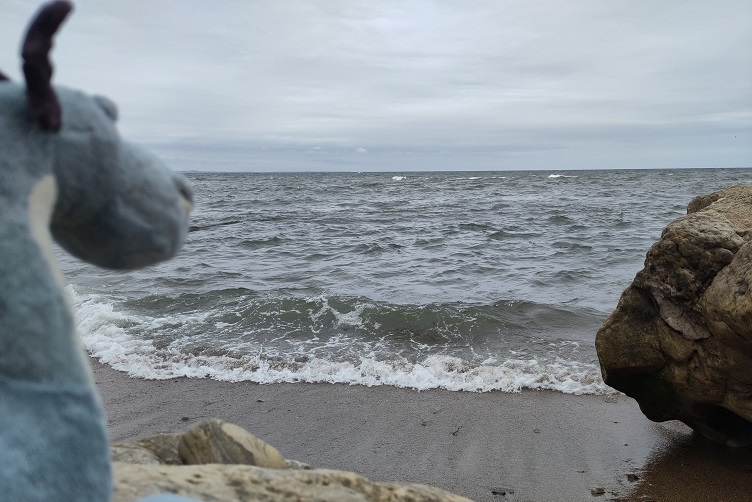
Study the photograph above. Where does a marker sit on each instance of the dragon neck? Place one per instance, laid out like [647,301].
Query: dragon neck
[37,338]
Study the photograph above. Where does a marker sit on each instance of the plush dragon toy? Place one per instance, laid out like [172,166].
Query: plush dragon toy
[65,173]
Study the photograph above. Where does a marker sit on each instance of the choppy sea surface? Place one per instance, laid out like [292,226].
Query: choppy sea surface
[457,280]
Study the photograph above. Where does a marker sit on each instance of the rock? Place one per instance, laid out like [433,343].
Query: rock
[296,464]
[236,483]
[159,449]
[150,466]
[500,490]
[216,442]
[163,449]
[680,339]
[164,446]
[133,454]
[597,492]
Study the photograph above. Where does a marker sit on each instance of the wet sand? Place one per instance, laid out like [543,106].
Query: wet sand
[692,468]
[533,446]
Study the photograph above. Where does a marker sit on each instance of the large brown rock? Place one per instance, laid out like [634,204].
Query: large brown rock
[680,339]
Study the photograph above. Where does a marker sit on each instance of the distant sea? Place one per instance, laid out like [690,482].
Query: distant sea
[456,280]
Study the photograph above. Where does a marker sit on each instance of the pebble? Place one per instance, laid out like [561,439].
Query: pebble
[595,492]
[501,491]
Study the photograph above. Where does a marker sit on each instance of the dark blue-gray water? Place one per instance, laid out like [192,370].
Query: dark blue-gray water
[466,281]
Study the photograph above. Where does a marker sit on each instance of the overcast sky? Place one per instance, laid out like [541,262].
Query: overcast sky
[415,84]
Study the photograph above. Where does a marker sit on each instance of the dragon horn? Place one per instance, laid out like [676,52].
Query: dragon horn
[43,103]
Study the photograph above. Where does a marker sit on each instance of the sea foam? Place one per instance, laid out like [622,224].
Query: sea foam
[112,337]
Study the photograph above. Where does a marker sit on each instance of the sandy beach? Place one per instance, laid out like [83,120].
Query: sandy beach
[532,446]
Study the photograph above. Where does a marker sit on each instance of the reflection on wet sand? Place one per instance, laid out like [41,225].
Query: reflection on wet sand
[689,467]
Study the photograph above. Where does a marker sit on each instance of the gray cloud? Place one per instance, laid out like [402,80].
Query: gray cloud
[418,85]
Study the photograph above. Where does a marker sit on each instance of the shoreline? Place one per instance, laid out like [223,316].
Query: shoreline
[533,446]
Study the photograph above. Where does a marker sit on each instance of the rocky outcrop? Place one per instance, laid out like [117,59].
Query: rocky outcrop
[215,461]
[680,339]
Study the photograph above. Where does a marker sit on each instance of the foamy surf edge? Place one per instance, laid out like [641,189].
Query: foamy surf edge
[106,337]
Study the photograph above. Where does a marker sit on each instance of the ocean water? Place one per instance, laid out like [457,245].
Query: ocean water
[464,281]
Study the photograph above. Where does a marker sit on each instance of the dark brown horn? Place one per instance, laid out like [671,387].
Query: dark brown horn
[43,104]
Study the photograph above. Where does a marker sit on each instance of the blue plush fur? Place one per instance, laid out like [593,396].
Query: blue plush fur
[107,202]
